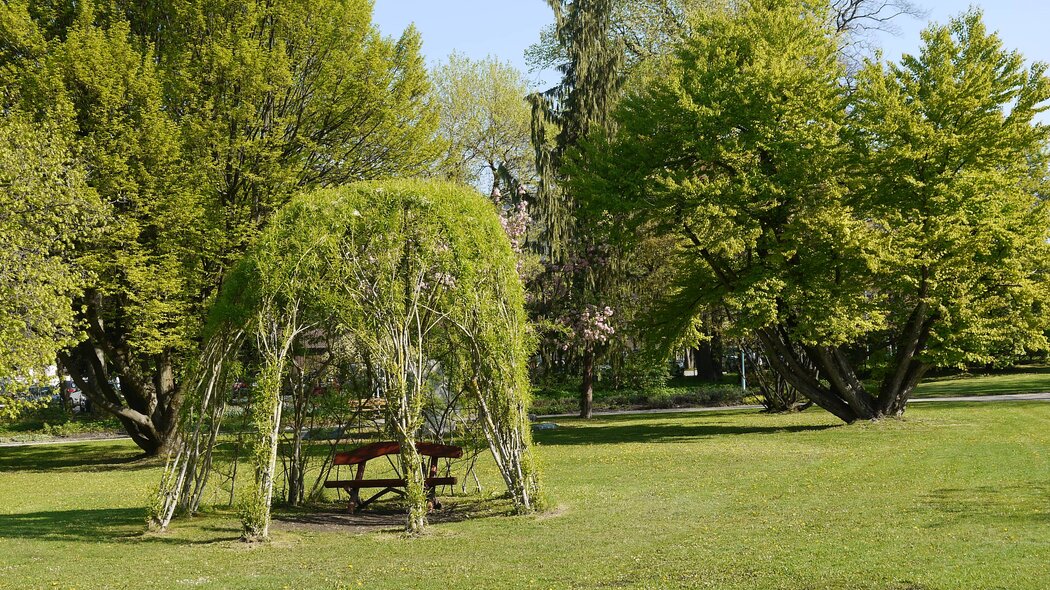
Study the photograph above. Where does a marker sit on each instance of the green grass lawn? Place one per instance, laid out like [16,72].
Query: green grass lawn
[1034,380]
[955,496]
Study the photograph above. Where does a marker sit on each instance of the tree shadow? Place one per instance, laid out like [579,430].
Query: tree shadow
[1021,504]
[74,457]
[634,430]
[387,515]
[114,525]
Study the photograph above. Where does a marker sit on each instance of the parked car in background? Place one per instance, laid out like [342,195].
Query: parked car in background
[71,395]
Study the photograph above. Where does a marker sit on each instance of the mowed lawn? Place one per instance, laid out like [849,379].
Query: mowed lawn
[953,497]
[1036,380]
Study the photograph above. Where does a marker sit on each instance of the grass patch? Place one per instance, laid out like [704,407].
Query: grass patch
[1032,380]
[954,496]
[54,422]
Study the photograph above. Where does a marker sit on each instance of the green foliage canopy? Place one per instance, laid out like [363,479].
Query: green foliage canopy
[195,120]
[484,122]
[904,217]
[420,279]
[44,206]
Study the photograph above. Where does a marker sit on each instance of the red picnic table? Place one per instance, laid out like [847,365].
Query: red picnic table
[362,455]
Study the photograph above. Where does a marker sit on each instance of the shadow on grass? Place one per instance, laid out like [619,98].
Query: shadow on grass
[112,525]
[386,516]
[75,457]
[633,430]
[1023,504]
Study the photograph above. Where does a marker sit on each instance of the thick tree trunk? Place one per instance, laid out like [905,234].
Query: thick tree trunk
[785,359]
[835,386]
[587,385]
[907,369]
[147,409]
[844,383]
[709,359]
[148,397]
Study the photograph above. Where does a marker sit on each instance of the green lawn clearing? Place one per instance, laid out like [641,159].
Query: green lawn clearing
[1032,380]
[955,496]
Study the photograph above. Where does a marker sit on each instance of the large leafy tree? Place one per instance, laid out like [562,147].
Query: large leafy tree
[484,122]
[904,220]
[952,164]
[197,120]
[601,47]
[44,205]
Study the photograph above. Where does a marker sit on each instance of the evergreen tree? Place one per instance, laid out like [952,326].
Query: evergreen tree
[581,102]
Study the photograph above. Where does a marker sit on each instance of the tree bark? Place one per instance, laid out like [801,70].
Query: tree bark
[587,385]
[148,397]
[907,369]
[709,359]
[785,360]
[148,416]
[415,488]
[844,382]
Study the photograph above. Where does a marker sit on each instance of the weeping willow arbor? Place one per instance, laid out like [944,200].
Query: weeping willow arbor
[409,292]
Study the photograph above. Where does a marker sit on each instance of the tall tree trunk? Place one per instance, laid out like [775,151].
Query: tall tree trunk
[907,369]
[587,385]
[403,405]
[148,397]
[785,360]
[296,477]
[296,471]
[415,488]
[709,359]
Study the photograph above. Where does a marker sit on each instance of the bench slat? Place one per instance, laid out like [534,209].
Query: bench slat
[386,483]
[379,449]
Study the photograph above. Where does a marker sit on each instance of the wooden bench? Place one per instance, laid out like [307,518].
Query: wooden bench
[362,455]
[372,406]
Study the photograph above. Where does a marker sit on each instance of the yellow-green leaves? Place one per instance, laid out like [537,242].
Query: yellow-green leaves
[44,206]
[899,225]
[951,163]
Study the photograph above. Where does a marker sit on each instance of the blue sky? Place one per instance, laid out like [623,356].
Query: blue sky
[1022,24]
[476,28]
[504,28]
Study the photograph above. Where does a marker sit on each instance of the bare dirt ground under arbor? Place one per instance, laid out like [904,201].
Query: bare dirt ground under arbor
[386,517]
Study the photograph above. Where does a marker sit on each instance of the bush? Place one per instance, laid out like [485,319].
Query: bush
[564,398]
[52,420]
[640,372]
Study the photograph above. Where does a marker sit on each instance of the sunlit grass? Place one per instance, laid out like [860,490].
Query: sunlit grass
[954,496]
[1036,380]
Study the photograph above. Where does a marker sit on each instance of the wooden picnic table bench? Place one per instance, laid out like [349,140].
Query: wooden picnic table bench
[362,455]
